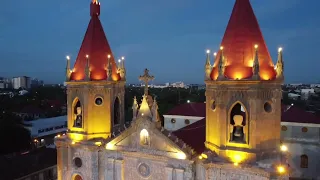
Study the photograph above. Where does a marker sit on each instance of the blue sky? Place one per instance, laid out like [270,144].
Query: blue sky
[168,36]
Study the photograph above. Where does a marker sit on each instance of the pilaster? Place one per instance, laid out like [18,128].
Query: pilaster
[169,173]
[119,170]
[179,174]
[110,169]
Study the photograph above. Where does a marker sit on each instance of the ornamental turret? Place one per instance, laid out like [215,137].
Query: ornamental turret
[221,65]
[207,67]
[87,69]
[280,65]
[68,70]
[256,66]
[109,68]
[135,108]
[122,69]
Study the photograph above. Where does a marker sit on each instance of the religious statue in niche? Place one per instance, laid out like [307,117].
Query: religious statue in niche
[237,124]
[78,116]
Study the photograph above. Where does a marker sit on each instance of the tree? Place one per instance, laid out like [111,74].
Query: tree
[14,137]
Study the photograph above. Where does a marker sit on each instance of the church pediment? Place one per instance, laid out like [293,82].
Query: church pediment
[144,136]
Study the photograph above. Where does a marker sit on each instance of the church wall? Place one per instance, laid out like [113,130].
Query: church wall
[302,143]
[179,121]
[229,172]
[295,150]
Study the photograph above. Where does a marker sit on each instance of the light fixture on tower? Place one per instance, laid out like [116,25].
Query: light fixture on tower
[207,67]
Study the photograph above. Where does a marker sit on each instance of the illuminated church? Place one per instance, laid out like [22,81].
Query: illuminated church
[243,99]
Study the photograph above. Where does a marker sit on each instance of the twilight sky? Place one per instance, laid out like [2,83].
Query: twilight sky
[169,37]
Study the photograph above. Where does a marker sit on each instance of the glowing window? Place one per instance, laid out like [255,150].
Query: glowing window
[144,137]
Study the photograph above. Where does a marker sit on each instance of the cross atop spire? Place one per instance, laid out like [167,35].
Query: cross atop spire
[146,78]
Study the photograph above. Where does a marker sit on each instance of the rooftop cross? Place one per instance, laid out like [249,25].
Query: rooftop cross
[146,78]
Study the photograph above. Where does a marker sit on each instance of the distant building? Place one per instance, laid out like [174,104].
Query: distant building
[36,82]
[5,83]
[47,126]
[21,82]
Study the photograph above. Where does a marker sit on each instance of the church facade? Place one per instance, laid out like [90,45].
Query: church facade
[243,95]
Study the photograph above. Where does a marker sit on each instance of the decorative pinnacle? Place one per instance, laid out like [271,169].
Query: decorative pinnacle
[87,56]
[122,58]
[215,54]
[208,51]
[256,46]
[279,49]
[221,47]
[68,58]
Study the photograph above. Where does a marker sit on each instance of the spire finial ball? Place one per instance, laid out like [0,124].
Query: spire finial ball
[119,60]
[109,56]
[280,49]
[221,48]
[122,58]
[215,54]
[256,46]
[87,56]
[208,51]
[68,57]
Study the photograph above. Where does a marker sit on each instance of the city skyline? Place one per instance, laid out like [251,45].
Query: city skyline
[154,35]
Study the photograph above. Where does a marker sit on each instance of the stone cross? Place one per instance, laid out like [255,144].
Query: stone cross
[146,78]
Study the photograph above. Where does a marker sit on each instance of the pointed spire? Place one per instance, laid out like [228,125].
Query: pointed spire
[122,69]
[208,66]
[154,109]
[68,70]
[241,34]
[256,67]
[221,65]
[135,107]
[280,65]
[144,110]
[87,69]
[96,45]
[109,69]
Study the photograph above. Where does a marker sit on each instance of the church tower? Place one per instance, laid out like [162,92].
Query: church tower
[243,92]
[95,87]
[95,94]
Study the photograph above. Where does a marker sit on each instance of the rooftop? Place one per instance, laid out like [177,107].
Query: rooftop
[241,35]
[22,165]
[96,46]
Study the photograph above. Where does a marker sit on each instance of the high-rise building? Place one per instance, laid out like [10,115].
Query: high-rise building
[21,82]
[243,91]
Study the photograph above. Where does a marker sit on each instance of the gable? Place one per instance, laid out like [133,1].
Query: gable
[144,136]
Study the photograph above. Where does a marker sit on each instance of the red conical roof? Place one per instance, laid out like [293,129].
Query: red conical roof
[242,33]
[94,44]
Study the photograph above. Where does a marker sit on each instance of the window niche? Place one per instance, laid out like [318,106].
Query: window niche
[238,122]
[77,112]
[304,161]
[144,137]
[116,111]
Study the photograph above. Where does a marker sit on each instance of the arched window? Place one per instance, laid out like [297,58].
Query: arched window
[237,123]
[304,161]
[144,137]
[77,111]
[116,111]
[77,177]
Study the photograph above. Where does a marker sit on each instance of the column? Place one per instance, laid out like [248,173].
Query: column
[110,169]
[179,174]
[169,171]
[119,170]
